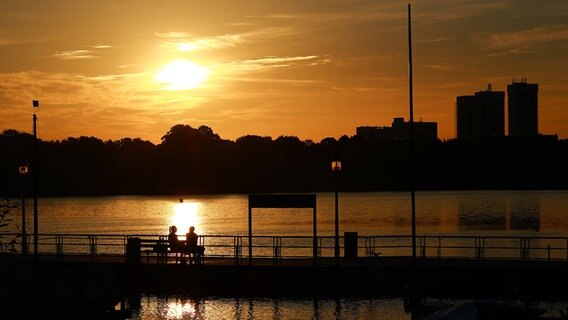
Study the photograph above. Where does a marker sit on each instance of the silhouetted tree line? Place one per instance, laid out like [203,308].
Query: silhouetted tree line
[198,161]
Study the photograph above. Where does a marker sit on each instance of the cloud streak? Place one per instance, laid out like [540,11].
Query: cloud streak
[81,54]
[526,38]
[205,43]
[75,55]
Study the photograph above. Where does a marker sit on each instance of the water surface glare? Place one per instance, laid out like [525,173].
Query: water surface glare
[179,307]
[511,213]
[151,307]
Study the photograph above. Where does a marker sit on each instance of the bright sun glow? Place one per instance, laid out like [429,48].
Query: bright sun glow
[182,75]
[185,215]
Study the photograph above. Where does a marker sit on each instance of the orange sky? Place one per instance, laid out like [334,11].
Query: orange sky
[311,69]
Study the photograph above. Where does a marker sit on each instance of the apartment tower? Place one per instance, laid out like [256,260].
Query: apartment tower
[481,115]
[522,106]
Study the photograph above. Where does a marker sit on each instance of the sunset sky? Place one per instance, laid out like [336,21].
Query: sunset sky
[311,69]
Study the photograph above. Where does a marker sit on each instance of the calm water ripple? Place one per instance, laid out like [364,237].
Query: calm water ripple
[511,213]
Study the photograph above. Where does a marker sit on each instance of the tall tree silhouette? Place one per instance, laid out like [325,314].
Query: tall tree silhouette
[197,160]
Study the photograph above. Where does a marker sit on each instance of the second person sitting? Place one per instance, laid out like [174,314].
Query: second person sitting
[194,250]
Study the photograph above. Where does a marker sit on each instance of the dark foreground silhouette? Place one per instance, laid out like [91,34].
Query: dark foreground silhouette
[198,161]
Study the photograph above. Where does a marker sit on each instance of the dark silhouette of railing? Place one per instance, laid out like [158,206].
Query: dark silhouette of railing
[301,247]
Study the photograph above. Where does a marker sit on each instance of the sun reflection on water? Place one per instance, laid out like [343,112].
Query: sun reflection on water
[180,310]
[185,214]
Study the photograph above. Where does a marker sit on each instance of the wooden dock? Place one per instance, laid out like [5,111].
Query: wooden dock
[358,277]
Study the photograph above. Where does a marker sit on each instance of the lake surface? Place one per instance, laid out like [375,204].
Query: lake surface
[180,307]
[217,308]
[511,213]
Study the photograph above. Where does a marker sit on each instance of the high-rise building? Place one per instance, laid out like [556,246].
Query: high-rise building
[400,130]
[422,129]
[522,106]
[480,115]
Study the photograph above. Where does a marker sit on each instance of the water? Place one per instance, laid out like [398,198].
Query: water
[179,307]
[218,308]
[513,213]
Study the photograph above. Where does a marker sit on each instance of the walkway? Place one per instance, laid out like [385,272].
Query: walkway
[372,277]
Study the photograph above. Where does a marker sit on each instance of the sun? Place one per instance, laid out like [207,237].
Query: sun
[182,75]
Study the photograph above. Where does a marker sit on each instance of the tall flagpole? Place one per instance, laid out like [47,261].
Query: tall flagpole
[34,174]
[414,289]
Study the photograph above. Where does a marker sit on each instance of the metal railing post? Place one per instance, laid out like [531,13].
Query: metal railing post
[238,248]
[276,250]
[92,247]
[525,248]
[479,248]
[370,246]
[549,253]
[59,246]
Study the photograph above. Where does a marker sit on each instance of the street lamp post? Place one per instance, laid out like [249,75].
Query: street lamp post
[336,167]
[24,169]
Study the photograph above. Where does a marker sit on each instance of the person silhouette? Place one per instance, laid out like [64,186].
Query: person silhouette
[172,236]
[175,245]
[194,251]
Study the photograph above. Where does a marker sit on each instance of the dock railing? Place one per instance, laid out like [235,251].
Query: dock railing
[301,247]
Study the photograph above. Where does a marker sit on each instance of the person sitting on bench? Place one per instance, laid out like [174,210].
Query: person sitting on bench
[192,249]
[176,246]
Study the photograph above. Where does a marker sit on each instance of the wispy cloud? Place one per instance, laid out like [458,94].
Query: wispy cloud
[10,41]
[205,43]
[441,67]
[524,38]
[172,35]
[277,60]
[273,62]
[75,54]
[183,41]
[100,46]
[281,81]
[356,89]
[258,71]
[441,10]
[81,54]
[509,52]
[435,40]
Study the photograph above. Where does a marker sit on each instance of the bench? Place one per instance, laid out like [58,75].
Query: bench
[158,247]
[161,248]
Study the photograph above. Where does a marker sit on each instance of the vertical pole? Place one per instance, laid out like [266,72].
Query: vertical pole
[250,233]
[336,247]
[24,236]
[315,241]
[34,172]
[412,192]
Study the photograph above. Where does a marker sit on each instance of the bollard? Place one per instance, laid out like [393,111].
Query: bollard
[350,244]
[133,251]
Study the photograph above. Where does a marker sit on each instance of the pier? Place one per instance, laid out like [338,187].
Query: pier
[458,267]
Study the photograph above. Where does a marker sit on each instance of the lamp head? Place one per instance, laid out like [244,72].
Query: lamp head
[336,166]
[23,170]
